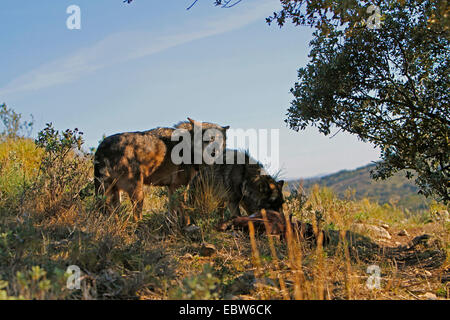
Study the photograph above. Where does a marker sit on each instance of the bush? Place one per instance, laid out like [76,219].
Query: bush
[65,170]
[19,165]
[36,284]
[204,286]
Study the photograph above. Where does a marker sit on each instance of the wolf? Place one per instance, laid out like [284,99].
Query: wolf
[125,162]
[246,183]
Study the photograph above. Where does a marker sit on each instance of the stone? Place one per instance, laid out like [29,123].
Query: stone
[193,232]
[374,231]
[243,284]
[442,215]
[403,233]
[207,250]
[427,273]
[429,296]
[188,256]
[265,283]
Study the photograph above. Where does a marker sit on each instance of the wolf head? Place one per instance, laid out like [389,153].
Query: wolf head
[208,135]
[262,192]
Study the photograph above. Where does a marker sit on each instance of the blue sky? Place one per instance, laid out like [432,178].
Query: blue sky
[153,63]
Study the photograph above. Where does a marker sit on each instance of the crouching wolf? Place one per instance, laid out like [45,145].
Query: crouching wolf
[125,162]
[243,183]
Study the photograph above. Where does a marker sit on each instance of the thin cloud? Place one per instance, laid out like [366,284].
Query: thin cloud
[125,46]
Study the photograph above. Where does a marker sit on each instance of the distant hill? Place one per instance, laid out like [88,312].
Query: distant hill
[397,189]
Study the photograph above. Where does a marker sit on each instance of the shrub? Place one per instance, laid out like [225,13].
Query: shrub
[65,170]
[204,286]
[19,164]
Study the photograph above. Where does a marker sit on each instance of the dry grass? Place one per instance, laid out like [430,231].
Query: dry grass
[46,227]
[339,270]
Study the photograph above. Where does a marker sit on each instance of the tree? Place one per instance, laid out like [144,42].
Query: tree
[12,123]
[221,3]
[387,83]
[379,70]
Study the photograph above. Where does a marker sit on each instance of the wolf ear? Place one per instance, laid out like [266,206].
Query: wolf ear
[281,183]
[193,122]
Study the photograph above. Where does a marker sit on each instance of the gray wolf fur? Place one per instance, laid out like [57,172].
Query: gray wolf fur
[125,162]
[246,183]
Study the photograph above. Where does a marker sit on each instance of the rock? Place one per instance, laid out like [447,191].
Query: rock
[374,231]
[188,256]
[445,278]
[243,284]
[442,215]
[403,233]
[429,296]
[385,226]
[265,283]
[207,250]
[193,232]
[422,239]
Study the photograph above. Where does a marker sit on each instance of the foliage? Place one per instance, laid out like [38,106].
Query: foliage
[19,164]
[221,3]
[64,169]
[35,283]
[203,286]
[13,124]
[19,157]
[349,15]
[389,86]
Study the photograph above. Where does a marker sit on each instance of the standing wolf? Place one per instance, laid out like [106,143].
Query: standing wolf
[128,161]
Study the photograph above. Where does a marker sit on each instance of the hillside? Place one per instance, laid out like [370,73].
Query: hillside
[397,190]
[50,219]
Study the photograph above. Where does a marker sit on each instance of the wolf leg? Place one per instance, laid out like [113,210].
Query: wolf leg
[114,202]
[112,195]
[186,218]
[170,205]
[137,198]
[176,211]
[234,209]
